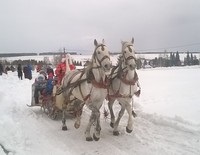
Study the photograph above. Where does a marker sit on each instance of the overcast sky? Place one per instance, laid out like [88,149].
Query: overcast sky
[49,25]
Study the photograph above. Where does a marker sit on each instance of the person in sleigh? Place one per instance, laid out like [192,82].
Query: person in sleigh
[61,68]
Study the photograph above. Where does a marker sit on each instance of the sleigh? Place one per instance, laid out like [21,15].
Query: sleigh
[59,102]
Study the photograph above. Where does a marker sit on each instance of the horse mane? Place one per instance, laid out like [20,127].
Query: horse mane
[119,59]
[88,70]
[88,67]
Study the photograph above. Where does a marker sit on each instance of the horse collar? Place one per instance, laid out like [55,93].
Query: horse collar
[101,83]
[128,82]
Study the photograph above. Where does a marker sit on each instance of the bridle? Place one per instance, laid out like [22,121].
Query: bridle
[121,75]
[96,57]
[126,59]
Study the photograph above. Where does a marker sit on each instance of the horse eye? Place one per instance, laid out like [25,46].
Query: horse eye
[124,51]
[98,52]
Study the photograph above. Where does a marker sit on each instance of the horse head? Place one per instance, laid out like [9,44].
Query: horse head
[128,55]
[101,57]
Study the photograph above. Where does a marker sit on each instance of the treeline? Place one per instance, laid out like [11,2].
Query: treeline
[168,61]
[23,62]
[57,53]
[16,54]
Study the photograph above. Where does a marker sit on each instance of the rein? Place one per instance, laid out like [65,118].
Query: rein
[89,79]
[95,55]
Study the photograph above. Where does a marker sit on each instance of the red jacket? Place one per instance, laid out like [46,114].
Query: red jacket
[61,69]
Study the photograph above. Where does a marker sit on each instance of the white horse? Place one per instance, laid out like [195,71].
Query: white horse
[124,84]
[89,87]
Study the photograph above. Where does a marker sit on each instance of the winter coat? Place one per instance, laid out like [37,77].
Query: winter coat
[61,69]
[25,70]
[1,69]
[19,70]
[29,72]
[49,86]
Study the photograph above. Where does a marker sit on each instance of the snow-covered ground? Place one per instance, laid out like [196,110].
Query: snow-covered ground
[168,119]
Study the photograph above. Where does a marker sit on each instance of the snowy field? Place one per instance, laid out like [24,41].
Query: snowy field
[168,121]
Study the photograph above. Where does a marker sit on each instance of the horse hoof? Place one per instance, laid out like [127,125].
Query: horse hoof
[64,128]
[112,125]
[76,125]
[95,137]
[89,139]
[116,133]
[53,116]
[134,114]
[128,130]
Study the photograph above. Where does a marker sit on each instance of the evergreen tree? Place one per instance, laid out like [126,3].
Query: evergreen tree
[170,59]
[188,59]
[177,59]
[139,63]
[173,59]
[191,59]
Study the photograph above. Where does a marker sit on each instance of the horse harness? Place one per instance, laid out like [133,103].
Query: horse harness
[89,78]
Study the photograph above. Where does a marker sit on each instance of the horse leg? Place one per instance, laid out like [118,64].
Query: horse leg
[78,117]
[91,121]
[96,134]
[64,127]
[110,106]
[78,112]
[78,122]
[134,114]
[121,113]
[129,127]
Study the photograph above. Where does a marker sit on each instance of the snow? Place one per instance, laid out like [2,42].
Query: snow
[168,119]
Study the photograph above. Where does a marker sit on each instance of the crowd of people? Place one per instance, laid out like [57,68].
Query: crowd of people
[26,70]
[6,69]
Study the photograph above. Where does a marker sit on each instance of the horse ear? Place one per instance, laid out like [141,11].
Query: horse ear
[123,42]
[95,42]
[132,40]
[103,41]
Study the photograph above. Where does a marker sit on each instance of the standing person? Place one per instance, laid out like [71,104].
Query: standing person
[19,71]
[12,68]
[25,70]
[1,69]
[29,71]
